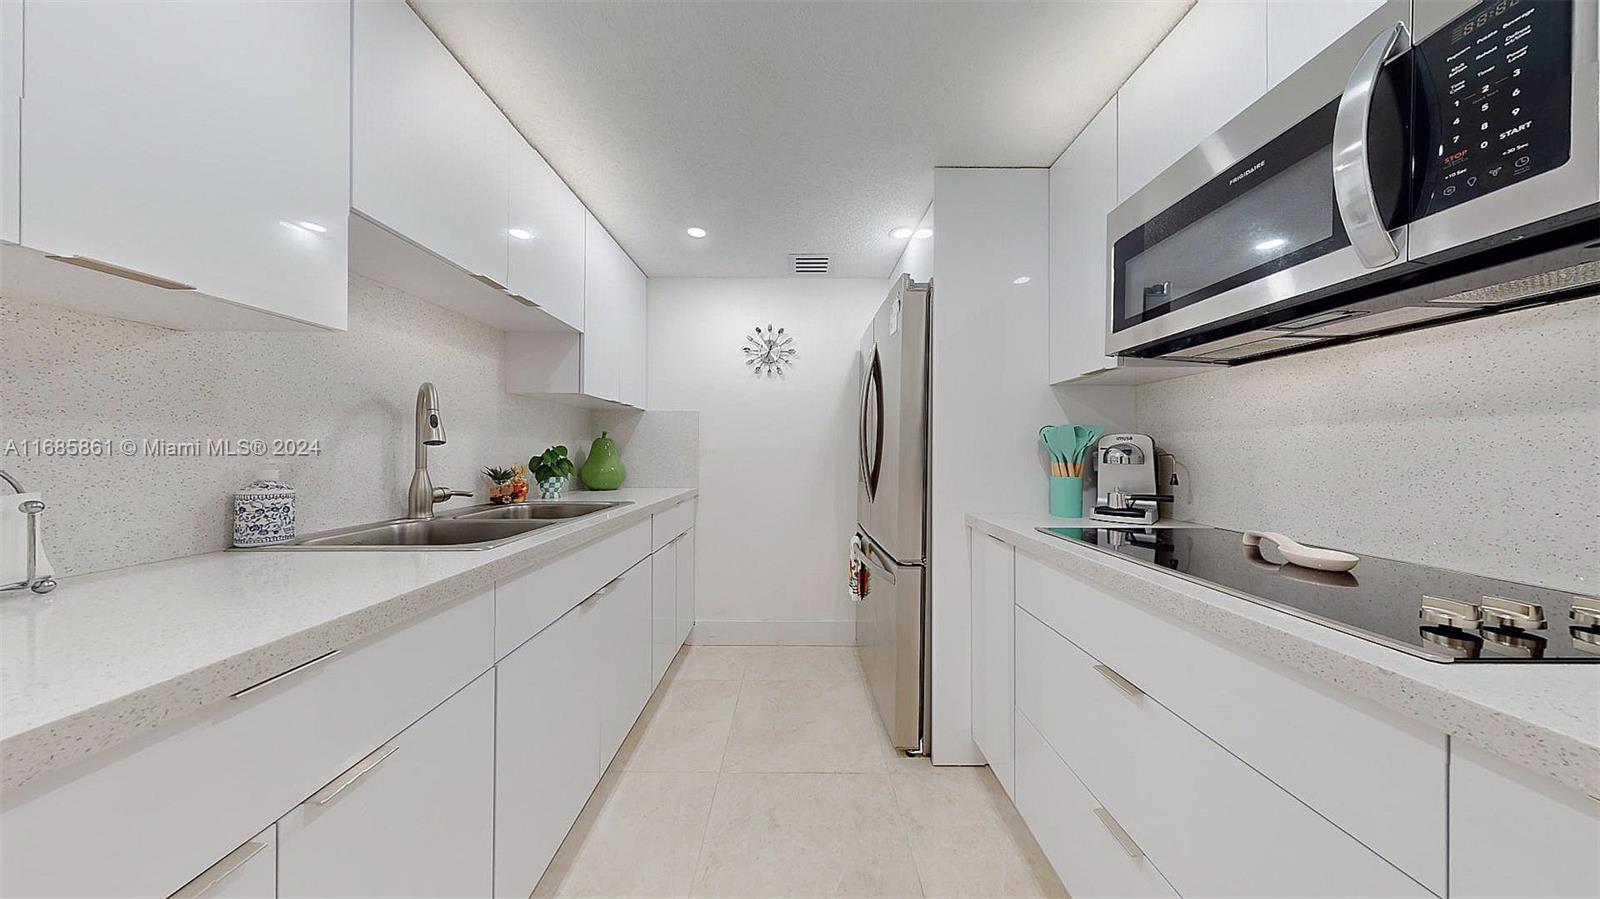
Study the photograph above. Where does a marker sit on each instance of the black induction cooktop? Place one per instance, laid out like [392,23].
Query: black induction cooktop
[1380,600]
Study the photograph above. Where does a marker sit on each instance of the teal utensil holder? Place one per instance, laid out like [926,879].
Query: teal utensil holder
[1066,497]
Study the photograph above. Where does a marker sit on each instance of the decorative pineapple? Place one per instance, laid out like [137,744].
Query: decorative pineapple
[507,485]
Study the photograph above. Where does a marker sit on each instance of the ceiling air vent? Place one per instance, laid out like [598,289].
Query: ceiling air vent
[809,263]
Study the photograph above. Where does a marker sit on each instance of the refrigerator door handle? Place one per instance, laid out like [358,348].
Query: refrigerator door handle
[872,451]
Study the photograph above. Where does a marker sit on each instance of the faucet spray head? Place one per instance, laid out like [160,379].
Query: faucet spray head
[429,423]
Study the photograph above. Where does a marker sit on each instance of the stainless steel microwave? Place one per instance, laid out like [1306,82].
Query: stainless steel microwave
[1439,161]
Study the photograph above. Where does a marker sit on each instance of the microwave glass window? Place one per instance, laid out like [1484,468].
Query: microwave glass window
[1280,215]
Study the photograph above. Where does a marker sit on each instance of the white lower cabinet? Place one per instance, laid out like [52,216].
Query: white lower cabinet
[1210,823]
[663,610]
[1083,842]
[547,745]
[248,872]
[415,817]
[622,625]
[1515,834]
[993,605]
[686,585]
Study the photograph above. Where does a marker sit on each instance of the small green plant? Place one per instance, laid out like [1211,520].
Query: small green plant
[552,463]
[499,475]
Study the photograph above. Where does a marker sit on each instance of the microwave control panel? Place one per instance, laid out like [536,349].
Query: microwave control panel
[1497,85]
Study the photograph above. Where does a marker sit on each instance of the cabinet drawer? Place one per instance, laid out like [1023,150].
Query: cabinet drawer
[413,818]
[248,872]
[666,526]
[197,790]
[1088,857]
[527,603]
[1377,775]
[1211,824]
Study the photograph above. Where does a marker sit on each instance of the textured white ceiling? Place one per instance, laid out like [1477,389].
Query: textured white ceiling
[789,127]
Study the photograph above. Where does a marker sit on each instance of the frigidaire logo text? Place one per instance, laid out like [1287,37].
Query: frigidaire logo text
[1249,171]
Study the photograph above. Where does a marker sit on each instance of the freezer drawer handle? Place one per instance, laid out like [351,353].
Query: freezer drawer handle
[1118,834]
[219,872]
[348,778]
[1122,683]
[1352,172]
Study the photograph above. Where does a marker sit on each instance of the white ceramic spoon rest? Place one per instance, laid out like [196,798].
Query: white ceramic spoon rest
[1302,555]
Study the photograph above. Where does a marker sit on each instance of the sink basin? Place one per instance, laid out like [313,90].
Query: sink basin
[553,509]
[475,527]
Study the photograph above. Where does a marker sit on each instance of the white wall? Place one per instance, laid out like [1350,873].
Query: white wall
[777,457]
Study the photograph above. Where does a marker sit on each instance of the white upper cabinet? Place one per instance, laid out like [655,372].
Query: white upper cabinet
[613,340]
[546,230]
[1297,30]
[430,149]
[1206,71]
[1083,191]
[10,120]
[170,152]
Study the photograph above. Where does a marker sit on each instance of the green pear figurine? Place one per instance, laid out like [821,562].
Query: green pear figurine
[603,470]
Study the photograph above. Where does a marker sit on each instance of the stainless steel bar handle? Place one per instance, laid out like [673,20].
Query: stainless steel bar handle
[283,674]
[491,282]
[1121,683]
[349,777]
[606,590]
[219,872]
[1118,834]
[111,268]
[1352,174]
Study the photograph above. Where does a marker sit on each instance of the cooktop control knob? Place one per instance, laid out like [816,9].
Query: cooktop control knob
[1500,611]
[1585,611]
[1450,613]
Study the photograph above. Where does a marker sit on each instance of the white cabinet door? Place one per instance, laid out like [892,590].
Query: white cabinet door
[10,121]
[663,610]
[547,744]
[634,316]
[1499,812]
[686,585]
[1083,191]
[1300,29]
[248,872]
[429,148]
[622,627]
[1091,853]
[603,289]
[187,141]
[546,230]
[993,610]
[413,818]
[1207,70]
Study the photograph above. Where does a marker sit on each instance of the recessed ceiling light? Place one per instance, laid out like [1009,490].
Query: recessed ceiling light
[521,233]
[1021,279]
[695,232]
[1270,244]
[900,233]
[923,233]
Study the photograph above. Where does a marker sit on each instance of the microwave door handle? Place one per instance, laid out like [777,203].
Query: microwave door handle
[1352,173]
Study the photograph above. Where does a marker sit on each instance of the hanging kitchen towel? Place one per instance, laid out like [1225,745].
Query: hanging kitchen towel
[855,568]
[14,540]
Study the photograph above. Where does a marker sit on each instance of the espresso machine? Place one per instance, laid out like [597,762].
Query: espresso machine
[1125,481]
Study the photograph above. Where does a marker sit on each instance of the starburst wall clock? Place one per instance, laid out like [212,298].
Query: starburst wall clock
[768,352]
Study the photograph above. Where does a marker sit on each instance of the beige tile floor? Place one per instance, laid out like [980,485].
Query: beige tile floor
[763,771]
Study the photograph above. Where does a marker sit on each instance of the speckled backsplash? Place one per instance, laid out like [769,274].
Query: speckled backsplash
[1473,446]
[66,374]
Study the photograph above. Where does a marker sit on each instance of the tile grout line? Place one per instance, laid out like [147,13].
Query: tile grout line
[716,787]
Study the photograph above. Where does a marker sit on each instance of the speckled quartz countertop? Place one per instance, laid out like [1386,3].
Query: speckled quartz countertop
[111,655]
[1543,717]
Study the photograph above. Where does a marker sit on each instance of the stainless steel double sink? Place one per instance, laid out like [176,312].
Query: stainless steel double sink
[475,527]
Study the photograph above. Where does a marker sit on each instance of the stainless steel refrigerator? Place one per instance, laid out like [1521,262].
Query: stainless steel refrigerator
[892,522]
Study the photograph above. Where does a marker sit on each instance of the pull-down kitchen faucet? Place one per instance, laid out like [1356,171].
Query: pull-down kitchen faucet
[430,432]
